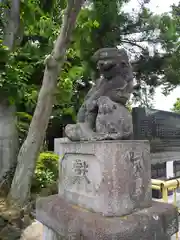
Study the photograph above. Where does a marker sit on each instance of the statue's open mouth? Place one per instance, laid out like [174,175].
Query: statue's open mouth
[106,65]
[108,70]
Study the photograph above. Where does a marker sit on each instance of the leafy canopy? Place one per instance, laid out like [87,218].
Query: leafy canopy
[151,40]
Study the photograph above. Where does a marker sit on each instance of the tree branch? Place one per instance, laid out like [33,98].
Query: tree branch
[133,43]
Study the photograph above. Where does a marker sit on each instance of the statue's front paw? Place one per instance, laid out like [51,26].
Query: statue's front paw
[71,131]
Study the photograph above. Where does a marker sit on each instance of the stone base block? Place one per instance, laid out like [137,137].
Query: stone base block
[109,177]
[72,222]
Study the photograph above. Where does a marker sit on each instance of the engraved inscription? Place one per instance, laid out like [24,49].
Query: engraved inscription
[136,159]
[81,173]
[80,168]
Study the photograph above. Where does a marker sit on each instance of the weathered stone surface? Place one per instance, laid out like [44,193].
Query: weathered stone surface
[50,234]
[113,121]
[80,131]
[33,232]
[111,177]
[106,99]
[157,222]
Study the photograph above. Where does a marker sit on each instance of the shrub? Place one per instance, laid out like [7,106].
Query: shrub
[46,171]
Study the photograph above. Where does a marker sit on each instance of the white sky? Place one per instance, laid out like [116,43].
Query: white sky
[159,6]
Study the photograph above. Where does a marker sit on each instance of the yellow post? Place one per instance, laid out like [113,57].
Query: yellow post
[175,204]
[164,193]
[164,186]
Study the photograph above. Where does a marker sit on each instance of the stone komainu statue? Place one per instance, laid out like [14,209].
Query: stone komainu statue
[103,115]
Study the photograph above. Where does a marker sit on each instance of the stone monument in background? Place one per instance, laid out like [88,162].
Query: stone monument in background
[105,175]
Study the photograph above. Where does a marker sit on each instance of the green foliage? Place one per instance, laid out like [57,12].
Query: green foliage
[176,106]
[101,23]
[129,106]
[153,65]
[170,35]
[46,171]
[23,122]
[23,68]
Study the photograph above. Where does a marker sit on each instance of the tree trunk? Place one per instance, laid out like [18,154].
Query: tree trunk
[12,24]
[8,144]
[29,151]
[8,128]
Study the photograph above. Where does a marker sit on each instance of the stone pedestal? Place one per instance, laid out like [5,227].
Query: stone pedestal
[71,222]
[109,177]
[105,193]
